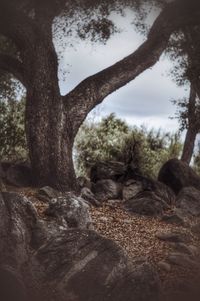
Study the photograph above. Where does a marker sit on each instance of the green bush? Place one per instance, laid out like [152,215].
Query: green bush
[99,141]
[113,139]
[12,133]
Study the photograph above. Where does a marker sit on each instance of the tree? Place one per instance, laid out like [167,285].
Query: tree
[192,125]
[52,120]
[188,72]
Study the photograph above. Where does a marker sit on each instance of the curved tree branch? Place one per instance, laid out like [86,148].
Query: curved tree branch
[15,67]
[89,93]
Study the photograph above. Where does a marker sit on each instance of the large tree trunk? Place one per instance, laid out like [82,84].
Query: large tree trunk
[189,145]
[48,130]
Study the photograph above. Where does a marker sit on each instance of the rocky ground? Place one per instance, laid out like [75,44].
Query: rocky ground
[152,222]
[140,236]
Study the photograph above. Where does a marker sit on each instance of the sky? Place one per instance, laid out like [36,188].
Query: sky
[144,101]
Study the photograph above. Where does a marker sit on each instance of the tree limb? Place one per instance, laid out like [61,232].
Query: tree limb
[14,66]
[92,91]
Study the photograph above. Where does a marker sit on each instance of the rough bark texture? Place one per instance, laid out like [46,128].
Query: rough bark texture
[52,120]
[44,260]
[189,145]
[193,128]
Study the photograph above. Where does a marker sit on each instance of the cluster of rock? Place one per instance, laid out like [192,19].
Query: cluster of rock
[178,187]
[59,257]
[62,258]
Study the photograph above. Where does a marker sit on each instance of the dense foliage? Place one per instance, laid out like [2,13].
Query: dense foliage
[113,139]
[12,133]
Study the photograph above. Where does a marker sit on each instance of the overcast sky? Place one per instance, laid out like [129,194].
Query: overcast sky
[144,101]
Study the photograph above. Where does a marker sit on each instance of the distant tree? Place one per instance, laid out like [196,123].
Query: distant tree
[188,72]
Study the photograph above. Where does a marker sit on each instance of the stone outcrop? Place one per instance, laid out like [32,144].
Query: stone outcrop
[177,175]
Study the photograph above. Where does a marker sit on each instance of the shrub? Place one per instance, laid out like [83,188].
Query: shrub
[113,139]
[12,133]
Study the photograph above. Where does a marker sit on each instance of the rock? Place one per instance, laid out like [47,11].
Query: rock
[84,183]
[196,229]
[11,285]
[17,174]
[2,186]
[164,192]
[188,200]
[71,211]
[68,264]
[177,175]
[111,170]
[99,271]
[131,188]
[87,195]
[164,266]
[173,219]
[47,193]
[183,248]
[146,203]
[173,237]
[105,190]
[182,260]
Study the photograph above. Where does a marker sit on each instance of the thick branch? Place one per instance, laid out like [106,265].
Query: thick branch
[15,67]
[94,89]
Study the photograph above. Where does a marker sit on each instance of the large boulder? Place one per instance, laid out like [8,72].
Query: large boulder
[84,182]
[47,193]
[111,170]
[71,211]
[146,203]
[188,200]
[17,174]
[89,197]
[38,262]
[177,175]
[132,187]
[105,190]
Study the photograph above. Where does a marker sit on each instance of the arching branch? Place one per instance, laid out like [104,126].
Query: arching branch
[15,67]
[94,89]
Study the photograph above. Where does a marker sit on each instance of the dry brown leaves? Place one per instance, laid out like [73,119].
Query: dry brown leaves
[137,236]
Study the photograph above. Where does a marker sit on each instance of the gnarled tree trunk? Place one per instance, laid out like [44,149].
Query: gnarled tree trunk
[48,129]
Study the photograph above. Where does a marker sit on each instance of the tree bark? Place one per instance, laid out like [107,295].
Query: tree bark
[48,133]
[189,145]
[192,130]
